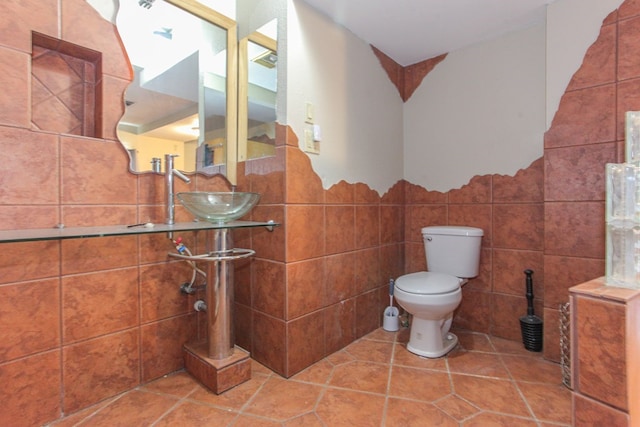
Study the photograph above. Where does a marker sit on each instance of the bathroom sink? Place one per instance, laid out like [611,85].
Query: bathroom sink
[218,206]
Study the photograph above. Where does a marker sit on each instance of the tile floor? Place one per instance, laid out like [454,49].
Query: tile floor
[375,381]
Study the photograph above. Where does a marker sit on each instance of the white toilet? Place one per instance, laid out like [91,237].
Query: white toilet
[453,257]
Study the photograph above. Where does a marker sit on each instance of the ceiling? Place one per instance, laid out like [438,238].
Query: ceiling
[410,31]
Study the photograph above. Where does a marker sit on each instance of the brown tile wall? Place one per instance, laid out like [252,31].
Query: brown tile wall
[406,79]
[107,314]
[320,280]
[510,210]
[604,324]
[80,320]
[65,87]
[600,369]
[587,132]
[527,227]
[84,320]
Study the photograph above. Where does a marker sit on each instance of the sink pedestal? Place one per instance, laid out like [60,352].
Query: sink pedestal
[218,363]
[217,375]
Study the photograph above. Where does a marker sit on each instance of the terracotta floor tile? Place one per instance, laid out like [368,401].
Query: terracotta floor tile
[375,381]
[473,341]
[307,420]
[490,394]
[548,402]
[473,363]
[281,400]
[193,414]
[180,384]
[381,335]
[456,407]
[350,408]
[318,373]
[135,408]
[249,421]
[372,351]
[234,398]
[533,369]
[419,384]
[402,356]
[361,376]
[510,347]
[496,420]
[259,368]
[340,357]
[407,413]
[74,419]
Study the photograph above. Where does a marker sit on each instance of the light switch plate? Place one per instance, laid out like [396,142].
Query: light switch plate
[308,118]
[310,146]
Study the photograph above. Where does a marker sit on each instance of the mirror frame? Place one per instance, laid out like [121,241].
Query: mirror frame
[231,120]
[243,87]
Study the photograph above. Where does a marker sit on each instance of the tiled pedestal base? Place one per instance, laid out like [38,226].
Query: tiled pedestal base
[217,375]
[605,343]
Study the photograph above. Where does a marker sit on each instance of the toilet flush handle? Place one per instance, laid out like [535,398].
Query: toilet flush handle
[429,238]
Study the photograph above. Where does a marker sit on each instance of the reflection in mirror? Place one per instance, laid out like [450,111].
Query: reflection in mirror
[257,93]
[177,103]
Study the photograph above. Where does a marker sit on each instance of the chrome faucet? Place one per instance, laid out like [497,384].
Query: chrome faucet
[169,172]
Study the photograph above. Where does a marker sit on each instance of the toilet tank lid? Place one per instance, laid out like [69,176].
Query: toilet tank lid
[427,283]
[453,230]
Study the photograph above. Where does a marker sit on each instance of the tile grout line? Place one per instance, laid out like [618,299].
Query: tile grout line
[179,401]
[520,393]
[111,401]
[385,409]
[168,411]
[253,397]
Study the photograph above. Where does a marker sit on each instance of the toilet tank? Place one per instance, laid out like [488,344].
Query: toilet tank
[453,250]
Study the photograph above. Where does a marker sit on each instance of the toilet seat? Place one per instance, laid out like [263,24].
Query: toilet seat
[428,283]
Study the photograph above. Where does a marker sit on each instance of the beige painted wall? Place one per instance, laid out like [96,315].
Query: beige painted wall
[483,110]
[572,26]
[355,104]
[480,111]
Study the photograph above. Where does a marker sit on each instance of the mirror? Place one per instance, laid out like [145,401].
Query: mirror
[182,99]
[258,69]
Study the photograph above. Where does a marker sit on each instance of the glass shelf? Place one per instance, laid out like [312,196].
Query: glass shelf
[34,234]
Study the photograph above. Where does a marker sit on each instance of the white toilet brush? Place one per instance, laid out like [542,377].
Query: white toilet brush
[390,319]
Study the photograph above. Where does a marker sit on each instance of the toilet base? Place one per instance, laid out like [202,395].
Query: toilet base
[448,343]
[430,338]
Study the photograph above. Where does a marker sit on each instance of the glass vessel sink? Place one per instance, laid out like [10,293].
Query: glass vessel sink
[218,206]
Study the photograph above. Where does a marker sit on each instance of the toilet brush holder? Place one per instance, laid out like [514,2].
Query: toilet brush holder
[390,317]
[531,325]
[391,321]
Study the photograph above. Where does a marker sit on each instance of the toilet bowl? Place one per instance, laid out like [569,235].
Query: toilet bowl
[453,256]
[431,298]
